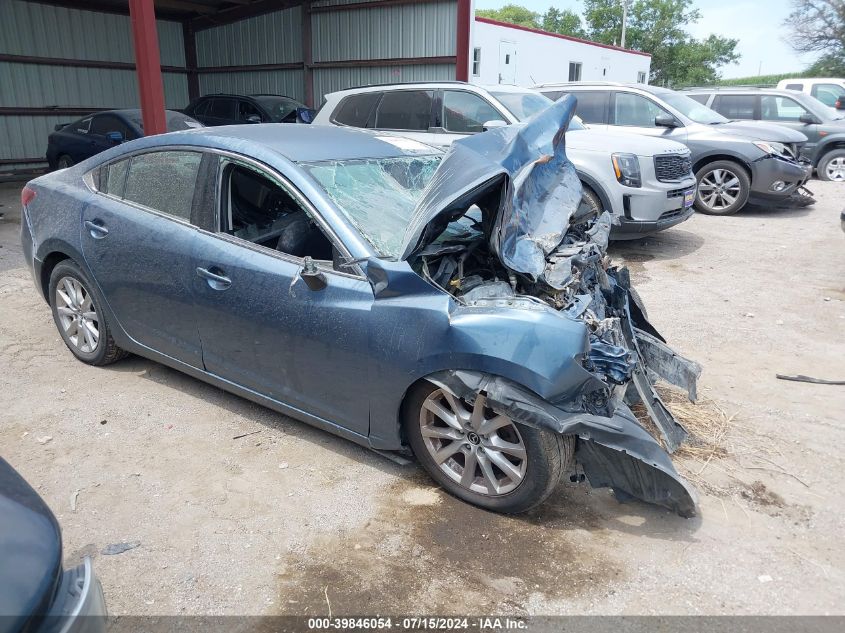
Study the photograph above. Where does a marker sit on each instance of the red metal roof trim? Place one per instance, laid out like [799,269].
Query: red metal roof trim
[558,35]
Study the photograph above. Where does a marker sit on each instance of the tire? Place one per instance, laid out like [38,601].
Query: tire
[75,318]
[831,167]
[591,199]
[64,162]
[547,455]
[736,186]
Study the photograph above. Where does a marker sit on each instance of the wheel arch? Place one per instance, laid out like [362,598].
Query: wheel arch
[828,146]
[712,158]
[596,188]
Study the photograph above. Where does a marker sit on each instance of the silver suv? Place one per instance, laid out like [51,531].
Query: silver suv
[646,183]
[734,162]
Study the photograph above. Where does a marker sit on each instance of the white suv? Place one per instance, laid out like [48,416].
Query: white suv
[646,183]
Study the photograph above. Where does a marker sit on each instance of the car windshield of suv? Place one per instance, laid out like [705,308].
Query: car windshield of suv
[524,105]
[692,109]
[377,195]
[279,107]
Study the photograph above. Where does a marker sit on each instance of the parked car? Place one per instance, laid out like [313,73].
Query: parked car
[825,131]
[734,162]
[829,90]
[38,595]
[461,306]
[225,109]
[646,184]
[95,133]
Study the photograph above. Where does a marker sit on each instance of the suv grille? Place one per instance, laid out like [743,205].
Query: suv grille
[672,167]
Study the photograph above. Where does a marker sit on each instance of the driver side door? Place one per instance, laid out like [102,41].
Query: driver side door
[301,340]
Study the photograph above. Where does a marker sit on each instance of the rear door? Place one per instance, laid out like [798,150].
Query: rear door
[507,63]
[741,107]
[138,240]
[593,107]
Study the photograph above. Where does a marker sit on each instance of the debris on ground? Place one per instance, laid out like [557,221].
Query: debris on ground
[73,497]
[119,548]
[815,381]
[759,494]
[237,437]
[44,439]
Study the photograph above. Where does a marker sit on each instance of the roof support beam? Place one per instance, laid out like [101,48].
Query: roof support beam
[189,41]
[148,64]
[307,55]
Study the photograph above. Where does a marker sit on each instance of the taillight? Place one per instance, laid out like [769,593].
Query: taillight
[27,195]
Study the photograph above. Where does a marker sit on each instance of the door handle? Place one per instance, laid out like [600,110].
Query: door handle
[216,280]
[96,229]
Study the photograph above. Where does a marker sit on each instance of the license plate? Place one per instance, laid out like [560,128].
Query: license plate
[689,198]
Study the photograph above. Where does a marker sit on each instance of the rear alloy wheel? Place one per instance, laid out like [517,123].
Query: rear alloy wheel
[483,457]
[723,188]
[81,325]
[832,166]
[64,162]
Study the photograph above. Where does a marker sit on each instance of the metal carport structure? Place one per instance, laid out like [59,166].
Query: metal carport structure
[60,59]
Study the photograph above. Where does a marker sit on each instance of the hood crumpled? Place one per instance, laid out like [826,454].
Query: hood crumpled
[540,189]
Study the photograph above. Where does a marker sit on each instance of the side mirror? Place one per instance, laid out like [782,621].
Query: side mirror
[305,115]
[809,118]
[313,277]
[115,137]
[253,118]
[489,125]
[665,120]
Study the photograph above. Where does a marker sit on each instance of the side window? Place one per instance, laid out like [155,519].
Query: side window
[702,99]
[222,108]
[247,110]
[164,181]
[356,110]
[574,71]
[798,87]
[554,95]
[476,62]
[592,106]
[466,112]
[641,77]
[780,109]
[82,126]
[405,110]
[735,106]
[258,210]
[104,123]
[202,107]
[635,110]
[828,93]
[113,178]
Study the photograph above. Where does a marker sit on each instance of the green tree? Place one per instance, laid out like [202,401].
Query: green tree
[565,22]
[658,27]
[819,26]
[514,14]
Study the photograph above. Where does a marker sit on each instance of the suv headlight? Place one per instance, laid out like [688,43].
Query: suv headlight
[772,147]
[627,169]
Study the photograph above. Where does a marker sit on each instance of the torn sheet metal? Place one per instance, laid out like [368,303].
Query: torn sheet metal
[614,452]
[526,165]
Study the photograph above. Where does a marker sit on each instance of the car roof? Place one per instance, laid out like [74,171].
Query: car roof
[604,84]
[302,143]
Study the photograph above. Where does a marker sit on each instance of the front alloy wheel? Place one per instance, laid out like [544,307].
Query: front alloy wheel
[832,166]
[481,456]
[723,188]
[474,447]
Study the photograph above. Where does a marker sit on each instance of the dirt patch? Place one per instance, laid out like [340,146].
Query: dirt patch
[427,552]
[758,494]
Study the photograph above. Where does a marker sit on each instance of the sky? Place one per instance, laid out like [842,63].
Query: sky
[757,24]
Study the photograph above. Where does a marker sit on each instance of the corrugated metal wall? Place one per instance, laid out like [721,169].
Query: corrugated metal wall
[33,29]
[393,32]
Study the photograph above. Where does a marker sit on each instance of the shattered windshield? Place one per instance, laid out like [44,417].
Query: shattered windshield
[377,195]
[692,109]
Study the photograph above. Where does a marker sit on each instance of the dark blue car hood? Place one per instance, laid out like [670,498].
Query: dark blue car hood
[30,551]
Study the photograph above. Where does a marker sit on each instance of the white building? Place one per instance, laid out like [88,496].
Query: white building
[504,53]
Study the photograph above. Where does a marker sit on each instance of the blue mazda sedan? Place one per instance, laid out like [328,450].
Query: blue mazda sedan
[459,307]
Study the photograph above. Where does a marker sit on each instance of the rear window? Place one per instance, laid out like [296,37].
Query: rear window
[164,181]
[405,110]
[113,178]
[356,110]
[735,106]
[222,108]
[592,106]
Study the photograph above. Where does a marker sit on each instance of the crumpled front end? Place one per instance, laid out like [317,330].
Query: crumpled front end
[502,223]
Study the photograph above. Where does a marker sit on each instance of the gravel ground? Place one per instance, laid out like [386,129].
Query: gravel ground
[288,519]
